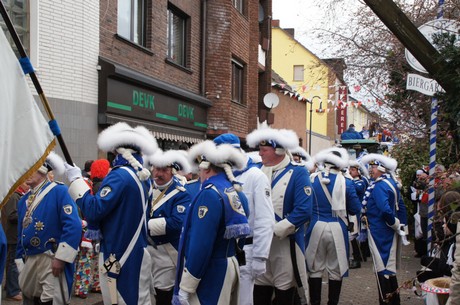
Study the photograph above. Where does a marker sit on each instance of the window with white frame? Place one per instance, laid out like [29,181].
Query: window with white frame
[237,81]
[298,73]
[132,20]
[177,36]
[19,12]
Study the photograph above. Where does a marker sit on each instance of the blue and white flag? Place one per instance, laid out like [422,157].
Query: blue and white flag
[26,137]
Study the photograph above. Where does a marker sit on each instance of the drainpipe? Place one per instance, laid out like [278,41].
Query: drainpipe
[203,47]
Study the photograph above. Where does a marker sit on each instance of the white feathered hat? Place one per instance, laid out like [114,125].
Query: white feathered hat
[277,138]
[53,163]
[306,158]
[384,163]
[218,155]
[336,156]
[123,135]
[363,170]
[176,159]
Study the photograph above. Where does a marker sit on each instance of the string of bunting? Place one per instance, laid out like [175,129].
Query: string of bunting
[341,103]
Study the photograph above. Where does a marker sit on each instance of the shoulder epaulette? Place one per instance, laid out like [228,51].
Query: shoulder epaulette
[180,188]
[58,182]
[209,186]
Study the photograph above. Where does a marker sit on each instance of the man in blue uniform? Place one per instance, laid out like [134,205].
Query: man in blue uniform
[120,209]
[327,233]
[291,198]
[170,202]
[49,233]
[208,271]
[385,212]
[261,219]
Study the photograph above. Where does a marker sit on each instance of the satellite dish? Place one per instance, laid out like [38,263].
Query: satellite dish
[271,100]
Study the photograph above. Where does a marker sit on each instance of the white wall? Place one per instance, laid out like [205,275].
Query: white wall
[68,48]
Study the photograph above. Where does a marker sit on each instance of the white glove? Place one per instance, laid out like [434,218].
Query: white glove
[183,297]
[20,264]
[395,226]
[258,267]
[72,172]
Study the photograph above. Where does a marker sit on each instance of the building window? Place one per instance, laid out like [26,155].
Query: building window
[239,5]
[298,73]
[19,13]
[237,82]
[177,29]
[131,20]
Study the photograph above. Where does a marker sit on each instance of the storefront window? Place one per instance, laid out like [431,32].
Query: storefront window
[19,13]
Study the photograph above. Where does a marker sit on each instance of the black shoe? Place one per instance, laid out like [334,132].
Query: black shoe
[355,264]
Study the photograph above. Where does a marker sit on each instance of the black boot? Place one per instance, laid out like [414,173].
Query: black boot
[262,295]
[354,264]
[384,289]
[334,292]
[315,284]
[356,251]
[163,297]
[284,297]
[395,299]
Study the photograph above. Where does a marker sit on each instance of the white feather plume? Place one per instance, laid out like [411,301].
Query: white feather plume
[387,162]
[218,155]
[121,134]
[166,158]
[287,138]
[327,156]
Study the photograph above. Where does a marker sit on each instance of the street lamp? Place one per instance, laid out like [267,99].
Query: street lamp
[311,117]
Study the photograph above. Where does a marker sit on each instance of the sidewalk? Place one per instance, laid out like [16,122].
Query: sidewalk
[360,288]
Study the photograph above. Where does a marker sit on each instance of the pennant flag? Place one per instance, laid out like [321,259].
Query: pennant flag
[26,137]
[282,86]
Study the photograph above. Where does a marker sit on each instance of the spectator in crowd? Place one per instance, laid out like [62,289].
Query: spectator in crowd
[351,134]
[440,262]
[10,226]
[364,133]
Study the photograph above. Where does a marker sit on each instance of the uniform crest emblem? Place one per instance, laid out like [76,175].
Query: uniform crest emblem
[202,210]
[180,209]
[105,191]
[67,209]
[267,192]
[235,201]
[307,190]
[35,241]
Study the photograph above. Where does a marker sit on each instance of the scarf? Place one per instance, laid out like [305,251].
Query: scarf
[270,171]
[236,222]
[338,194]
[370,188]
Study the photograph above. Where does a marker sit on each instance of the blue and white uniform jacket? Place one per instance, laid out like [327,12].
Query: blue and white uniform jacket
[322,213]
[117,209]
[55,216]
[209,257]
[169,215]
[361,187]
[383,206]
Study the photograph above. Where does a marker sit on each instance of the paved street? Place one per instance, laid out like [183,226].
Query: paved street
[360,288]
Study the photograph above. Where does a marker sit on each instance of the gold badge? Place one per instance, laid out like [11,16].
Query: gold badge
[202,210]
[307,190]
[35,241]
[39,226]
[67,209]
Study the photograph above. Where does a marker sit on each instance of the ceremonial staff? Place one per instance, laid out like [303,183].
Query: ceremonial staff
[28,69]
